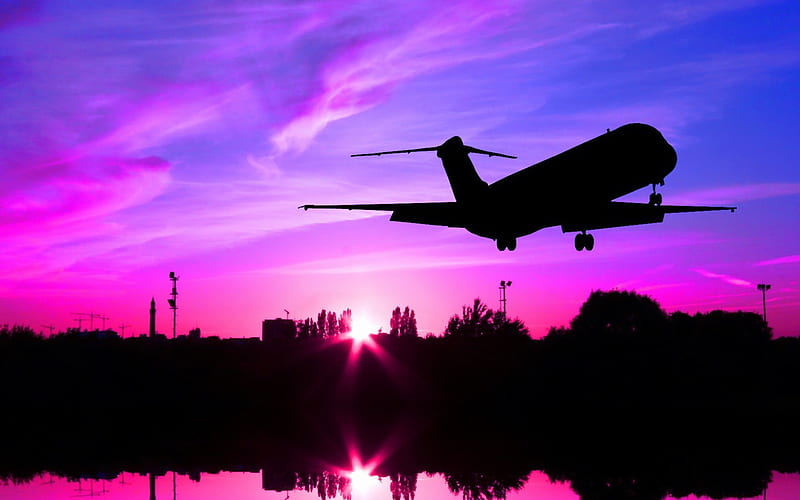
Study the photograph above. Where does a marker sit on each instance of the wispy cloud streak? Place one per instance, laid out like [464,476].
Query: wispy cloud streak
[726,278]
[789,259]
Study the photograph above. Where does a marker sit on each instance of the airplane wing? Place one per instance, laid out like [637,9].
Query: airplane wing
[618,214]
[434,214]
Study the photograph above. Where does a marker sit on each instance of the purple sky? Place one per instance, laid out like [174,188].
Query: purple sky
[181,136]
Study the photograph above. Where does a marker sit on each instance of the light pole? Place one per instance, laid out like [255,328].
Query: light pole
[173,302]
[503,285]
[764,287]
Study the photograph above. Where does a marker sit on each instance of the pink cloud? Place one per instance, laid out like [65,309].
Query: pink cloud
[789,259]
[365,71]
[724,277]
[73,191]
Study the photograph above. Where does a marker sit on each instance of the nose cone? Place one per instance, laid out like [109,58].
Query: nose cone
[670,159]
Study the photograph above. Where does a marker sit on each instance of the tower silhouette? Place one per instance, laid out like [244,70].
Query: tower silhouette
[152,317]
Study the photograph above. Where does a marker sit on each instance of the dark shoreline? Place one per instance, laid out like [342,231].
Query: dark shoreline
[715,419]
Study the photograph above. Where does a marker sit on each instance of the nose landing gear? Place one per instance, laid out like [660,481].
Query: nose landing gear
[655,198]
[584,241]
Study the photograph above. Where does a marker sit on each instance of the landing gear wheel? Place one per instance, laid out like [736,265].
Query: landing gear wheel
[588,242]
[512,244]
[584,241]
[501,244]
[579,243]
[656,199]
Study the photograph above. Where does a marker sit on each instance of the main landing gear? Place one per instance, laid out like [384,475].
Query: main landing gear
[584,241]
[507,243]
[655,198]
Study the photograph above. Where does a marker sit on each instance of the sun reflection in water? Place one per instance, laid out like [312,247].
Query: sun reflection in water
[362,483]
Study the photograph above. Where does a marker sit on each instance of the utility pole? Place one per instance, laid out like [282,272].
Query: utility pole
[764,287]
[173,302]
[503,285]
[49,327]
[122,329]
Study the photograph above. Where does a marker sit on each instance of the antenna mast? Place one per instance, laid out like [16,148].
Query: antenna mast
[173,302]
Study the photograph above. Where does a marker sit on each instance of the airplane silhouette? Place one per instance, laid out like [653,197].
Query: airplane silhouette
[574,189]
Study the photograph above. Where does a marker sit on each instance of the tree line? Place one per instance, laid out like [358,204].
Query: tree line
[621,349]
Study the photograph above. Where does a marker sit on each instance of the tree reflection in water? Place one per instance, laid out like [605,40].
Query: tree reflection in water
[481,486]
[326,484]
[403,486]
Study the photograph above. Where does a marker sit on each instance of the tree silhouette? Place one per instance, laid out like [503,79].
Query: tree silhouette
[474,321]
[19,332]
[715,327]
[504,326]
[395,322]
[412,325]
[332,328]
[479,486]
[619,313]
[478,320]
[346,322]
[403,486]
[322,324]
[405,323]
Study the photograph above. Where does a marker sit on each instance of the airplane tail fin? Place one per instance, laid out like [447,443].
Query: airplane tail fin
[464,179]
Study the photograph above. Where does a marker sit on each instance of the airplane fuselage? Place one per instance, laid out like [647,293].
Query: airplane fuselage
[599,170]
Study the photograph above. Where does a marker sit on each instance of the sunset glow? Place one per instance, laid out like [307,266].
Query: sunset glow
[362,328]
[142,138]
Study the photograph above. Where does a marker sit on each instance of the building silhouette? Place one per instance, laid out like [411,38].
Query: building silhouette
[152,317]
[278,480]
[277,329]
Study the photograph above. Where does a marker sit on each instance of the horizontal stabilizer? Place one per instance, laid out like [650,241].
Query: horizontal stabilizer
[454,143]
[434,148]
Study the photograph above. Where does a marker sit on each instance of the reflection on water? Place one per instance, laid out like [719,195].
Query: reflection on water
[346,485]
[394,462]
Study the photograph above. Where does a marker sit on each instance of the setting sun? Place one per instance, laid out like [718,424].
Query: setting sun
[362,329]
